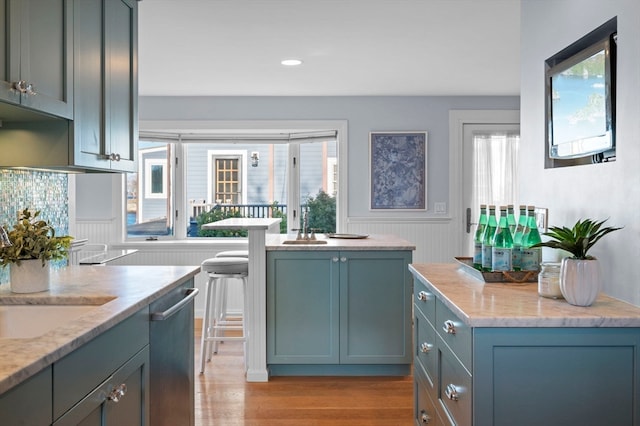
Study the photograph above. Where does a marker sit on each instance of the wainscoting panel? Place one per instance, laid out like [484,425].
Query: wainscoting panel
[435,240]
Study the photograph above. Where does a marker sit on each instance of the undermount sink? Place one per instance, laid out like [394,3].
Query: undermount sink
[305,242]
[28,321]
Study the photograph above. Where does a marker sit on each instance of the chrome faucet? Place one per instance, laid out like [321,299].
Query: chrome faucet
[304,233]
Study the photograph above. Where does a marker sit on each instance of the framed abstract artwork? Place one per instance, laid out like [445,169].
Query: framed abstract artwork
[398,170]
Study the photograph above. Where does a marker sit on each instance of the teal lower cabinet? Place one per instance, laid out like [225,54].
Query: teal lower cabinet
[29,403]
[524,376]
[106,381]
[338,312]
[556,376]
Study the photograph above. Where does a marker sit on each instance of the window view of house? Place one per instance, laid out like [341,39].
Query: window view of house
[223,179]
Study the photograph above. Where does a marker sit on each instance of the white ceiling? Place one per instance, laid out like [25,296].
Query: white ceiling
[349,47]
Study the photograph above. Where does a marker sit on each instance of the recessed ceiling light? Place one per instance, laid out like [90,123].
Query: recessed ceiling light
[291,62]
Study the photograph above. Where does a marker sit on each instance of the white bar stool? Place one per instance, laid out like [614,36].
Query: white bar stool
[233,253]
[220,270]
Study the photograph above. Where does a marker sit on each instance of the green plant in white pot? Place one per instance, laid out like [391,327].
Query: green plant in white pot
[580,281]
[33,243]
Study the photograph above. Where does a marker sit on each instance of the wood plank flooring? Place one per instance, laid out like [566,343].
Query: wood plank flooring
[223,397]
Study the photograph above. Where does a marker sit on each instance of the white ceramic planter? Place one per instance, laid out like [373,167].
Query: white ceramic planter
[29,277]
[580,281]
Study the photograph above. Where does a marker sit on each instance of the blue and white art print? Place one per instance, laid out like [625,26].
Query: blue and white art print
[398,170]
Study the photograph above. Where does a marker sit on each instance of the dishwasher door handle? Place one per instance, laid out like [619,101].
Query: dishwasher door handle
[189,296]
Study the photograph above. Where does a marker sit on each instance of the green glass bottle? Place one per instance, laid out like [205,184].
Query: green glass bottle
[516,253]
[511,219]
[531,256]
[487,238]
[502,244]
[477,240]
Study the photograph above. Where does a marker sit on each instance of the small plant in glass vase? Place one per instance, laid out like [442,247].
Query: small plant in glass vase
[32,244]
[580,281]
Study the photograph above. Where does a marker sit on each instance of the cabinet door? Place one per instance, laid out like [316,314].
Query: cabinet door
[105,63]
[46,55]
[9,50]
[88,126]
[556,376]
[29,403]
[120,400]
[302,307]
[121,18]
[375,310]
[36,48]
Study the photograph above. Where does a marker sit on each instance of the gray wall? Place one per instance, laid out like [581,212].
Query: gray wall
[597,191]
[364,114]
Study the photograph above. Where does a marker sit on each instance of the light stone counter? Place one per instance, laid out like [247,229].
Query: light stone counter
[372,242]
[481,304]
[119,290]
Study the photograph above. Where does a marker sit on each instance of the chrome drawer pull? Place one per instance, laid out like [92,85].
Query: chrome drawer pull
[449,327]
[423,296]
[425,348]
[452,392]
[424,417]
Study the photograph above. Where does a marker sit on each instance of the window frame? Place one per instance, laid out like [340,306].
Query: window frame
[149,128]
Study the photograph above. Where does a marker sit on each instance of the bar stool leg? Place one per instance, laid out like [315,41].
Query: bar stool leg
[205,324]
[220,312]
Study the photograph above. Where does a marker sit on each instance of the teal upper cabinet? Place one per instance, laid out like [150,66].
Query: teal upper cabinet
[106,96]
[36,68]
[102,135]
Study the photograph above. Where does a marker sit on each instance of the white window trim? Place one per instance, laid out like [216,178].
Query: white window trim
[148,164]
[457,121]
[212,155]
[186,126]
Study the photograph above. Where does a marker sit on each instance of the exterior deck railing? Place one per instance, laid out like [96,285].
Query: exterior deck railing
[245,210]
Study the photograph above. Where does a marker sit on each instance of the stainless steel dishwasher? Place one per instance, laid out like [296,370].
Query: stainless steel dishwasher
[171,343]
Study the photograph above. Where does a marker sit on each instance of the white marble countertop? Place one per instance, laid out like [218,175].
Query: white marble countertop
[119,291]
[243,223]
[481,304]
[372,242]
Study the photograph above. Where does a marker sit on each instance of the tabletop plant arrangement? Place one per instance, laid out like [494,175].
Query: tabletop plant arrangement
[32,245]
[580,281]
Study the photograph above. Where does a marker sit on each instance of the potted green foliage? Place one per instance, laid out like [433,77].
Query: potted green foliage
[33,243]
[580,280]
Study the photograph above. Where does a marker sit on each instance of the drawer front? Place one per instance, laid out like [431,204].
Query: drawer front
[454,333]
[426,353]
[424,300]
[77,374]
[424,407]
[454,387]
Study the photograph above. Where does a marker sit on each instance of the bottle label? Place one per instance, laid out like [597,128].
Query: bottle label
[530,259]
[486,257]
[477,253]
[516,257]
[501,259]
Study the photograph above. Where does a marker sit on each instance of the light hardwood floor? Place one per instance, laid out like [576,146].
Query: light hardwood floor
[224,398]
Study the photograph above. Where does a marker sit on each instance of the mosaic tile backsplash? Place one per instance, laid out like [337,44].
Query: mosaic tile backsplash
[43,191]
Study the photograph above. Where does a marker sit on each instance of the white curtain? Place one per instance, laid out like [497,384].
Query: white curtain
[495,168]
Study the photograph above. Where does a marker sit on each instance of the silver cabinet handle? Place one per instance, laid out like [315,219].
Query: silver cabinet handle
[425,418]
[189,296]
[111,157]
[334,259]
[343,259]
[425,348]
[117,393]
[423,296]
[449,327]
[24,87]
[452,392]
